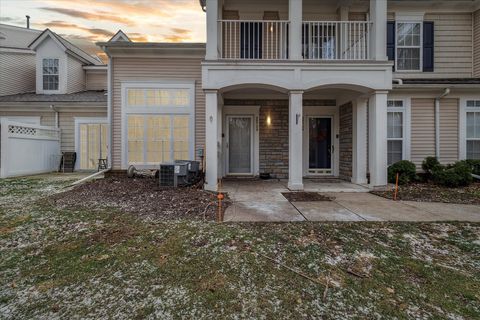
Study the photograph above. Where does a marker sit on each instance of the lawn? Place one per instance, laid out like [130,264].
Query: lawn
[73,262]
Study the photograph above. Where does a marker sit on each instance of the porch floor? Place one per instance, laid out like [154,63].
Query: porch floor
[262,201]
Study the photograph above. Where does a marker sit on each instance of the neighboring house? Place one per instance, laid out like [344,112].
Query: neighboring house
[303,89]
[17,60]
[49,81]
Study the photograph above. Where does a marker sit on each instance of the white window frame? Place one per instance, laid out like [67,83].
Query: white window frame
[409,47]
[58,75]
[406,122]
[154,110]
[462,118]
[86,120]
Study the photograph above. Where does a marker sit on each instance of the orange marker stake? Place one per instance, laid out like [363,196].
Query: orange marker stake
[396,188]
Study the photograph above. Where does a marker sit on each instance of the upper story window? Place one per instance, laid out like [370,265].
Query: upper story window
[50,74]
[409,46]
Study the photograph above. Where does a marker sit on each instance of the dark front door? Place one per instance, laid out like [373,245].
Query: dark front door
[320,144]
[251,40]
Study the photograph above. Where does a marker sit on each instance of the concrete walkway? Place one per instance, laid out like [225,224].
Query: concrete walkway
[262,201]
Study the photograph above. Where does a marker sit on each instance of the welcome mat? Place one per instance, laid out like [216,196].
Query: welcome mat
[305,196]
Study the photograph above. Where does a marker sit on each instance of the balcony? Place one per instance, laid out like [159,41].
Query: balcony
[269,40]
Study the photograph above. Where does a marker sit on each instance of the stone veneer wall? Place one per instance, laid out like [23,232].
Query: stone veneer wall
[273,139]
[346,141]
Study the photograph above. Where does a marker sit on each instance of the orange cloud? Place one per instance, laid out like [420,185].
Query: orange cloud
[99,16]
[102,33]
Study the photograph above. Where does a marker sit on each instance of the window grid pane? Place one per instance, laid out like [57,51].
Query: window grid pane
[158,97]
[408,46]
[50,74]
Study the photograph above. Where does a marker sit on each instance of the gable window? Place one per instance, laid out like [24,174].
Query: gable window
[409,46]
[473,129]
[395,131]
[50,74]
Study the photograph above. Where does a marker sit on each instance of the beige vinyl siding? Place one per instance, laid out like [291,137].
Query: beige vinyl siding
[449,130]
[75,76]
[46,118]
[67,126]
[453,47]
[150,69]
[17,73]
[422,130]
[476,44]
[96,80]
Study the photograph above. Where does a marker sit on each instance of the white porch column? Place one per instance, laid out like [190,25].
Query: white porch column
[377,138]
[295,15]
[211,140]
[212,30]
[359,148]
[295,136]
[378,31]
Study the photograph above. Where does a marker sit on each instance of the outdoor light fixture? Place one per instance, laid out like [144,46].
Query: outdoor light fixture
[269,121]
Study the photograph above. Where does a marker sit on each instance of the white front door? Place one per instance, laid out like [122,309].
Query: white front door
[240,142]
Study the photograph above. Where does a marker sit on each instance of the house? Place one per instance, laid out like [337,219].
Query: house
[46,80]
[301,89]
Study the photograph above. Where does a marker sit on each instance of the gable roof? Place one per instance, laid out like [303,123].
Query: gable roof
[67,46]
[120,36]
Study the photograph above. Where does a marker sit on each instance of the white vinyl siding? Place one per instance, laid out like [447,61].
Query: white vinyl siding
[17,73]
[473,129]
[159,119]
[75,75]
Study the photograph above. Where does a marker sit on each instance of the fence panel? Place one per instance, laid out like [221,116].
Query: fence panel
[27,149]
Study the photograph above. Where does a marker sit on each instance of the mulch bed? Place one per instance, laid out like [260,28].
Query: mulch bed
[429,192]
[305,196]
[143,197]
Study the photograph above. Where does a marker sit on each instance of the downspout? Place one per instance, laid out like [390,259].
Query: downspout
[109,110]
[57,124]
[437,121]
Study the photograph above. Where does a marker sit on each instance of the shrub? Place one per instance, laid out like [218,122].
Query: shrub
[406,170]
[456,175]
[431,165]
[474,165]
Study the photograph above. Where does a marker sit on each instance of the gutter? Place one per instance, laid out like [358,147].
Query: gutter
[445,93]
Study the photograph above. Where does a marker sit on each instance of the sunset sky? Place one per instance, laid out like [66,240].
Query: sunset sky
[87,21]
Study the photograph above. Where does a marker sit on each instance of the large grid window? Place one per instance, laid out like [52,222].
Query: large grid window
[473,129]
[159,124]
[50,74]
[158,97]
[409,46]
[395,131]
[154,139]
